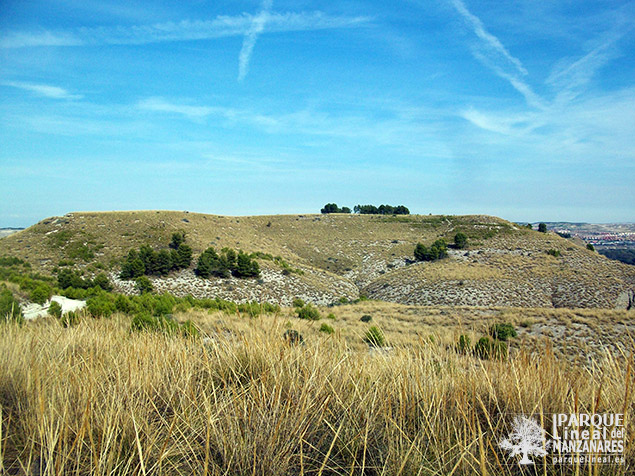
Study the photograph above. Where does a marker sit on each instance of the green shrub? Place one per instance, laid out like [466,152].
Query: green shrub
[55,309]
[69,319]
[590,247]
[308,312]
[188,329]
[331,316]
[463,345]
[41,293]
[102,305]
[292,337]
[103,282]
[366,318]
[375,337]
[460,240]
[554,253]
[143,285]
[542,227]
[10,309]
[484,348]
[438,250]
[326,329]
[147,322]
[502,332]
[297,302]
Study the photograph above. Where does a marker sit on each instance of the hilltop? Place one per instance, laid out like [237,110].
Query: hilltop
[326,258]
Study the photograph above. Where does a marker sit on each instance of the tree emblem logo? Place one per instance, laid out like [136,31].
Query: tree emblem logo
[527,438]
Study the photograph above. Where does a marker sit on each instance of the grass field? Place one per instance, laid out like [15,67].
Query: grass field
[100,399]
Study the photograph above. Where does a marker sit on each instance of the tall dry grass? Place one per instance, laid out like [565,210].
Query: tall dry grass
[97,399]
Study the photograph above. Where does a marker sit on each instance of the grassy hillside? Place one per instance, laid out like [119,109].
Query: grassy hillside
[99,399]
[342,256]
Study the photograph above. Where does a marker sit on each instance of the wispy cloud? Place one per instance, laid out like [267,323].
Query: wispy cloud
[221,26]
[491,52]
[257,26]
[490,43]
[45,90]
[160,105]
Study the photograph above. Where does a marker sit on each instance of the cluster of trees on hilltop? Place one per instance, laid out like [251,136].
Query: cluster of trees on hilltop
[226,263]
[147,261]
[367,209]
[333,208]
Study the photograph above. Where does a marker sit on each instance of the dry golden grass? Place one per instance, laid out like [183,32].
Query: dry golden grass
[97,399]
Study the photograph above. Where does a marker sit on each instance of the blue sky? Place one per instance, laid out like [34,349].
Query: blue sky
[520,109]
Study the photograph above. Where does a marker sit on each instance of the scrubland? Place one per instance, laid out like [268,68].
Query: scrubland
[98,398]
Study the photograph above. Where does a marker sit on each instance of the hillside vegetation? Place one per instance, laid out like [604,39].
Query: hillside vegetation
[99,399]
[323,258]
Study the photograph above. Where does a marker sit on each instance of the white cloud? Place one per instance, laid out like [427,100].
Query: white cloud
[221,26]
[489,42]
[45,90]
[161,105]
[491,52]
[257,27]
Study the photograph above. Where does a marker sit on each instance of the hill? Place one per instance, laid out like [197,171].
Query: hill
[326,258]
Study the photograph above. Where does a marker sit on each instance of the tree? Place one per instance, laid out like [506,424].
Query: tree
[330,208]
[542,227]
[460,240]
[590,247]
[184,256]
[246,267]
[345,210]
[144,285]
[527,438]
[103,282]
[10,309]
[438,250]
[178,239]
[163,262]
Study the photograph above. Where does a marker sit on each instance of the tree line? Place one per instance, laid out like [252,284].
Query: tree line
[367,209]
[148,262]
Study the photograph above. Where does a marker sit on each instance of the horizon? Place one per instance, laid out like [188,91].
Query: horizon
[457,107]
[309,213]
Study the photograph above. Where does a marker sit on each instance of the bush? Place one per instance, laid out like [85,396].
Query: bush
[297,302]
[102,305]
[55,309]
[331,316]
[366,318]
[487,348]
[542,227]
[10,309]
[41,293]
[188,329]
[103,282]
[554,253]
[375,337]
[292,337]
[438,250]
[590,247]
[308,312]
[502,332]
[70,319]
[483,348]
[460,240]
[143,285]
[463,346]
[326,329]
